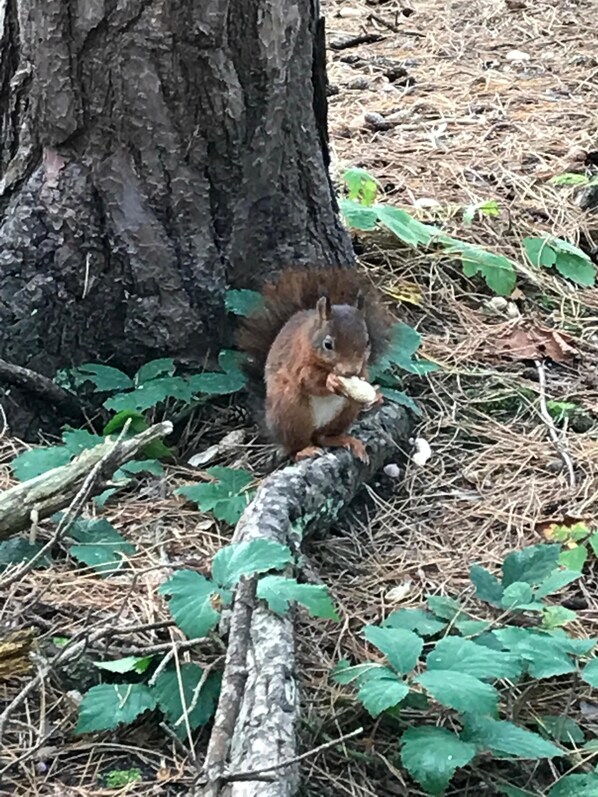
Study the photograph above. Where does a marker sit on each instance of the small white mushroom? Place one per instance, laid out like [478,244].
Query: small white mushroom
[423,452]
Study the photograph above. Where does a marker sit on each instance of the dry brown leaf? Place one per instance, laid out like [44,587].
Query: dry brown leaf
[527,342]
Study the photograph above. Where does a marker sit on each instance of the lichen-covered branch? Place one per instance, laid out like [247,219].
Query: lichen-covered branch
[54,490]
[257,714]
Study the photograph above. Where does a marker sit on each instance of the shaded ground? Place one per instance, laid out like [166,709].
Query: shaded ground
[475,121]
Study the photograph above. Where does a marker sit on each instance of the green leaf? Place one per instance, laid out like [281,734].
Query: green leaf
[519,595]
[460,691]
[569,178]
[247,558]
[570,261]
[469,627]
[100,546]
[152,393]
[17,549]
[167,691]
[577,269]
[589,674]
[381,691]
[362,186]
[405,227]
[138,423]
[443,607]
[593,540]
[433,755]
[556,581]
[217,384]
[279,591]
[576,786]
[562,729]
[128,664]
[577,647]
[226,498]
[243,302]
[230,360]
[574,558]
[105,378]
[531,565]
[36,461]
[402,399]
[498,271]
[415,620]
[154,369]
[555,616]
[505,740]
[106,706]
[357,216]
[542,653]
[487,587]
[192,599]
[79,440]
[345,673]
[402,648]
[465,656]
[539,252]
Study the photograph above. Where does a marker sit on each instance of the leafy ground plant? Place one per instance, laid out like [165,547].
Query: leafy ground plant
[361,212]
[441,655]
[187,697]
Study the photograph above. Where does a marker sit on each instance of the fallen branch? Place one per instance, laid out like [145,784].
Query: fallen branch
[41,386]
[54,490]
[255,723]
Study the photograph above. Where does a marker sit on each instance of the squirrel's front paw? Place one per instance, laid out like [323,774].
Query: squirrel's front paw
[334,384]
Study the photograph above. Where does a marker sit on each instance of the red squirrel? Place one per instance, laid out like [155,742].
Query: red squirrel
[314,326]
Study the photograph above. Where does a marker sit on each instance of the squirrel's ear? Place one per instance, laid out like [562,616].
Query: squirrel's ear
[360,301]
[323,308]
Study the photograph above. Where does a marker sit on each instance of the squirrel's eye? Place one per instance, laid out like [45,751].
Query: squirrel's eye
[328,343]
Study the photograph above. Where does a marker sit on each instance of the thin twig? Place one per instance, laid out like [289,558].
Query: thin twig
[250,775]
[558,441]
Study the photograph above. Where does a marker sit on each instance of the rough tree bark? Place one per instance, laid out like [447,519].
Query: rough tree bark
[153,152]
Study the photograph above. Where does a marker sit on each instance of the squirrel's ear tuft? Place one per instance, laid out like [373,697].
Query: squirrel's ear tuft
[323,307]
[360,301]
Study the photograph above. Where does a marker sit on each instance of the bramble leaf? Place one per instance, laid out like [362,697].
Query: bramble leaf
[167,691]
[279,591]
[402,648]
[506,740]
[106,706]
[192,602]
[433,755]
[381,691]
[531,565]
[247,558]
[465,656]
[487,587]
[460,691]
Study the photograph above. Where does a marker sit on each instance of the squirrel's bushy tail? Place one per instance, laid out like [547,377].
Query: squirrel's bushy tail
[300,289]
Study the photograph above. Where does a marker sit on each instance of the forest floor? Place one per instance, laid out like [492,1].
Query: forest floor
[458,102]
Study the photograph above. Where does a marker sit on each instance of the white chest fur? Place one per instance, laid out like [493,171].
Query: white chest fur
[326,408]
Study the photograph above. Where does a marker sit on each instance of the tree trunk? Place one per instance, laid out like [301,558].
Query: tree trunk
[152,153]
